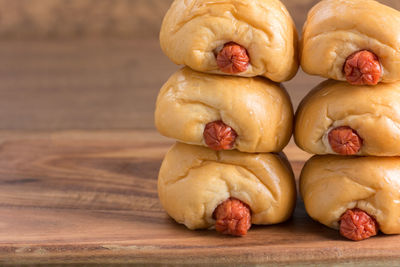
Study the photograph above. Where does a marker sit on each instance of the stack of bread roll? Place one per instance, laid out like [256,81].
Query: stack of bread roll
[226,171]
[355,117]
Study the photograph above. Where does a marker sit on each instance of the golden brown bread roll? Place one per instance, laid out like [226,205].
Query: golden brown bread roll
[330,185]
[194,31]
[372,112]
[335,29]
[259,111]
[194,180]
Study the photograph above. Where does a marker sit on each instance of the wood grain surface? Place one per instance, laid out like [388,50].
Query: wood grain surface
[90,197]
[79,154]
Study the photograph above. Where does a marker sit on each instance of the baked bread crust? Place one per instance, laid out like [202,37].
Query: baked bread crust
[194,180]
[330,185]
[193,31]
[335,29]
[372,111]
[258,110]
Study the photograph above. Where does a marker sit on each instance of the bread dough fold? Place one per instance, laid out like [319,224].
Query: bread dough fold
[194,31]
[258,110]
[372,111]
[330,185]
[194,180]
[335,29]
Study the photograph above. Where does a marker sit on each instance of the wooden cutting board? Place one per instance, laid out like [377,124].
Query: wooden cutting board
[91,197]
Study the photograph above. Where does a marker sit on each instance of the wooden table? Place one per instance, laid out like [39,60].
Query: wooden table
[79,158]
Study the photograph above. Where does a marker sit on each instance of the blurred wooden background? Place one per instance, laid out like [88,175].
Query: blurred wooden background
[104,18]
[92,64]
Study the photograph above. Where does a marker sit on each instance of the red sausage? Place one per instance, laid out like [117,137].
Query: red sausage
[219,136]
[344,140]
[363,68]
[233,58]
[233,217]
[356,224]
